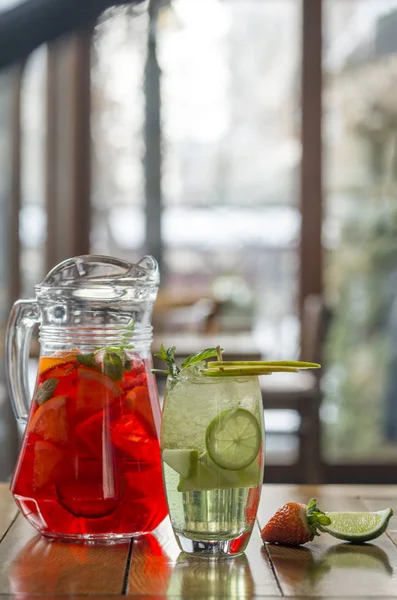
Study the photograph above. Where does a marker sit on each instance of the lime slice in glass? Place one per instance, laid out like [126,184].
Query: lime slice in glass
[233,439]
[358,527]
[182,461]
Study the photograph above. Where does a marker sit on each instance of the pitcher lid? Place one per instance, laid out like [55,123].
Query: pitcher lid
[95,276]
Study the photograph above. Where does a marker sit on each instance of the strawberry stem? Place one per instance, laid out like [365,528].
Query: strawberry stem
[316,518]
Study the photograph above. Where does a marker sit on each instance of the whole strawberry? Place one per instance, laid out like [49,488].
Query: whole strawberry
[294,524]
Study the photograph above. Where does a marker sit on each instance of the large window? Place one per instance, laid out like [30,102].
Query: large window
[231,156]
[119,54]
[32,227]
[229,74]
[360,230]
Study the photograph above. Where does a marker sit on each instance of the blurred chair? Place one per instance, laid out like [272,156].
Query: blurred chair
[302,392]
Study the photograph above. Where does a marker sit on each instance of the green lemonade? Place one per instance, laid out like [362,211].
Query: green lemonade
[212,445]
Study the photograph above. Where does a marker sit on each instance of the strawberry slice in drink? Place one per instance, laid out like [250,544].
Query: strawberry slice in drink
[144,479]
[92,493]
[130,436]
[138,403]
[134,381]
[49,465]
[94,392]
[89,436]
[87,499]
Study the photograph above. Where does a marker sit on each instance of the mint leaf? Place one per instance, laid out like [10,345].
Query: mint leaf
[114,361]
[113,365]
[46,390]
[120,352]
[199,356]
[168,356]
[164,354]
[88,360]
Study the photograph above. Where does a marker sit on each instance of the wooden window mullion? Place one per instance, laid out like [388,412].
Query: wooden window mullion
[311,193]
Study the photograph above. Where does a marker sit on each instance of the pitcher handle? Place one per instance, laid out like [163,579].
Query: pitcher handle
[24,316]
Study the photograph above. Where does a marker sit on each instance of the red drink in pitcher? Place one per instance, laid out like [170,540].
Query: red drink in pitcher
[90,461]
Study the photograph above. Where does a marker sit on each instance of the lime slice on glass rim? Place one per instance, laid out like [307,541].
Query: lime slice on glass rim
[358,527]
[233,439]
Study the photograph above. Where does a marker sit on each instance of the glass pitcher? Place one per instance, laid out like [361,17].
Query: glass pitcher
[89,467]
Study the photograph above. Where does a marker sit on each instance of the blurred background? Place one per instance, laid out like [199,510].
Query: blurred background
[251,146]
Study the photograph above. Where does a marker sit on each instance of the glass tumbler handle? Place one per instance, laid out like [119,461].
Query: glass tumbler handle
[24,316]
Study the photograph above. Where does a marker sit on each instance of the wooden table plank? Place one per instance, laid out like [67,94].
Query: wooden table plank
[8,509]
[30,564]
[326,567]
[158,567]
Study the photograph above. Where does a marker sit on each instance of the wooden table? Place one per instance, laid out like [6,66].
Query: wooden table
[152,567]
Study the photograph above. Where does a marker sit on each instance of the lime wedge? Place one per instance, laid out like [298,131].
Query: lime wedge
[182,461]
[233,439]
[358,527]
